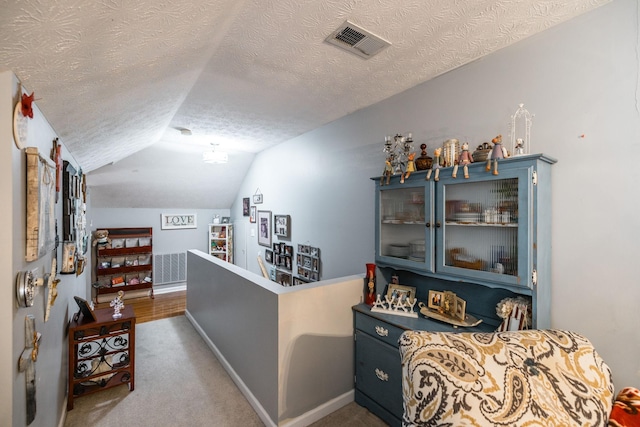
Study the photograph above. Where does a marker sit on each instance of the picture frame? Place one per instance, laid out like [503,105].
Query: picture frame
[264,228]
[85,310]
[284,278]
[245,206]
[225,220]
[252,214]
[282,225]
[449,303]
[435,299]
[268,256]
[405,293]
[257,198]
[461,308]
[299,281]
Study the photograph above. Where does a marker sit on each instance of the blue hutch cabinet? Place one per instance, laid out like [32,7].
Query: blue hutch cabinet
[485,237]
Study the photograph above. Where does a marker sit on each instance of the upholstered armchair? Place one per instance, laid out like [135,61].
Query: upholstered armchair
[520,378]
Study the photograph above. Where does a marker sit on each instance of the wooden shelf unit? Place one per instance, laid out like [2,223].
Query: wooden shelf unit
[132,250]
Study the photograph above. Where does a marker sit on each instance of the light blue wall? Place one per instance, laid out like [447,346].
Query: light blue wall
[580,79]
[51,365]
[164,241]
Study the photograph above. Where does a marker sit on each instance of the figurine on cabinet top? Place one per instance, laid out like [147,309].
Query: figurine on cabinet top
[386,173]
[498,152]
[411,167]
[519,149]
[437,163]
[465,159]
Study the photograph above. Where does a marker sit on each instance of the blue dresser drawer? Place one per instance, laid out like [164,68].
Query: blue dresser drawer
[379,372]
[379,329]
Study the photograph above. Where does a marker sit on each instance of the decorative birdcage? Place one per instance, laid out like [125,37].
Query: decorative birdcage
[521,131]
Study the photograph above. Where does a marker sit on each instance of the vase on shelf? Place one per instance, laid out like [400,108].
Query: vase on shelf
[370,285]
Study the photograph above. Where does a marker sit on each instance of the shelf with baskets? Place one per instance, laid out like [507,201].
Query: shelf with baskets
[221,241]
[126,263]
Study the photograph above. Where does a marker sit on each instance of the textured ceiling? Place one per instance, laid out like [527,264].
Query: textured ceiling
[118,78]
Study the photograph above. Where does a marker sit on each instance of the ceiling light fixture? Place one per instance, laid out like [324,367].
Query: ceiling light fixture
[214,156]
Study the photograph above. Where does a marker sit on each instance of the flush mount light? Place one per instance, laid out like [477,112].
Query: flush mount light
[215,157]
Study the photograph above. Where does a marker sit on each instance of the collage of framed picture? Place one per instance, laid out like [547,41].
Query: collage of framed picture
[308,261]
[282,225]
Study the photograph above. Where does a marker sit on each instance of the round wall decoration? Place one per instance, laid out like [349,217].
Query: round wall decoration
[20,126]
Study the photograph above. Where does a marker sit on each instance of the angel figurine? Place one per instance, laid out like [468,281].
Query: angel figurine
[117,305]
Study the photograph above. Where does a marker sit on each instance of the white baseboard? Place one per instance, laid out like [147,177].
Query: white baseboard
[321,411]
[63,417]
[165,289]
[303,420]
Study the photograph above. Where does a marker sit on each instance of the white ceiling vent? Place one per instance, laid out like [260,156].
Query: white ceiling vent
[357,40]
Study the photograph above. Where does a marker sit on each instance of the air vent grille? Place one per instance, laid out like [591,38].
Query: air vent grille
[357,40]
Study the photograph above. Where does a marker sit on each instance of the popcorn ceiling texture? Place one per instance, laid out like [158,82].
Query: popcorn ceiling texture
[115,76]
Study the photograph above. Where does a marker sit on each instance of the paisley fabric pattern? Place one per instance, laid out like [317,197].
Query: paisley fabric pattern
[626,409]
[522,378]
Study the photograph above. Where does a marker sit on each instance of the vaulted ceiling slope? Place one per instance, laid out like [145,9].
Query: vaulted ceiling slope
[114,77]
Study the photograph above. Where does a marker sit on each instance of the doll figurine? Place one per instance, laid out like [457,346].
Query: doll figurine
[411,167]
[388,170]
[498,152]
[437,163]
[465,159]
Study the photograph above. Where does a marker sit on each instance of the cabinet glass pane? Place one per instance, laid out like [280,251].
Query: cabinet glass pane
[402,228]
[481,226]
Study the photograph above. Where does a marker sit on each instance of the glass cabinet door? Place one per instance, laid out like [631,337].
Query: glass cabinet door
[405,225]
[484,227]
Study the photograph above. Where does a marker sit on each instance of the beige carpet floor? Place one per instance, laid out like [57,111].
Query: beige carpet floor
[186,388]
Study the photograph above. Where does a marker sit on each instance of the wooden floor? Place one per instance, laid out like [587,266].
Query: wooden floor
[161,306]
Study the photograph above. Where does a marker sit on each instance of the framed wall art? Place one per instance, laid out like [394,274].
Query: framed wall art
[282,225]
[245,206]
[178,221]
[308,263]
[264,228]
[41,193]
[252,216]
[257,197]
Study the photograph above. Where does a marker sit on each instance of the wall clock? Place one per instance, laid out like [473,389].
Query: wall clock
[25,288]
[20,126]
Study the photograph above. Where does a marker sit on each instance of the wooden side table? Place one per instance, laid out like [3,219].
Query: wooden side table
[101,352]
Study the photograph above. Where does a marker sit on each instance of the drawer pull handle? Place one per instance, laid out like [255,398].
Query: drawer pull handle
[382,375]
[382,331]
